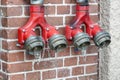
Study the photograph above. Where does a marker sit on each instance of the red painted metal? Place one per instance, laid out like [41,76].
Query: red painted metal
[82,17]
[36,19]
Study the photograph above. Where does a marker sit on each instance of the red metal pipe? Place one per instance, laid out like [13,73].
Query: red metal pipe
[82,17]
[36,19]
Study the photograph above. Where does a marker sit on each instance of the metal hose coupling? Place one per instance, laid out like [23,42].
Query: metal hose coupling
[34,45]
[82,2]
[81,40]
[57,42]
[102,39]
[36,1]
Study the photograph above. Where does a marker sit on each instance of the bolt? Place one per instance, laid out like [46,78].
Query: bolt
[56,28]
[23,30]
[23,41]
[33,29]
[70,38]
[47,29]
[71,27]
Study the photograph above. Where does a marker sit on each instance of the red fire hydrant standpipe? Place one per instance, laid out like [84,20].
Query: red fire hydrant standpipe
[34,44]
[81,39]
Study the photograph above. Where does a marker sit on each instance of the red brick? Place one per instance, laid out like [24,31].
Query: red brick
[33,76]
[55,20]
[3,56]
[29,57]
[9,33]
[18,77]
[3,76]
[14,2]
[0,64]
[63,72]
[12,57]
[89,59]
[68,19]
[12,11]
[74,51]
[14,22]
[0,32]
[48,53]
[73,9]
[49,10]
[91,69]
[53,1]
[71,79]
[82,78]
[92,77]
[93,9]
[7,45]
[4,67]
[61,30]
[70,61]
[17,67]
[63,9]
[70,1]
[77,71]
[27,10]
[49,74]
[48,64]
[92,49]
[94,18]
[66,52]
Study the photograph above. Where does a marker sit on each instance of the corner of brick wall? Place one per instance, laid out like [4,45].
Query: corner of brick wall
[15,64]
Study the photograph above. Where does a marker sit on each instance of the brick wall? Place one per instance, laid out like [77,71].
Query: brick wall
[15,64]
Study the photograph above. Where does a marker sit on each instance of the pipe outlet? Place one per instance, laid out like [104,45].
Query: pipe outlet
[36,1]
[57,42]
[82,2]
[102,39]
[34,45]
[81,40]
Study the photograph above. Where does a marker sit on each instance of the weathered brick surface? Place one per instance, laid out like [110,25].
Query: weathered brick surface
[71,79]
[89,59]
[63,10]
[63,72]
[93,77]
[33,76]
[17,77]
[12,11]
[91,69]
[14,2]
[67,65]
[70,61]
[48,64]
[12,57]
[17,67]
[77,71]
[49,74]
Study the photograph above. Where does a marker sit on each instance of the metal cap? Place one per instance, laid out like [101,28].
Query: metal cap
[33,42]
[81,40]
[36,1]
[102,39]
[57,43]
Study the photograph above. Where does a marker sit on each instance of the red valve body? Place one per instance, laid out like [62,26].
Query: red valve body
[36,19]
[82,17]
